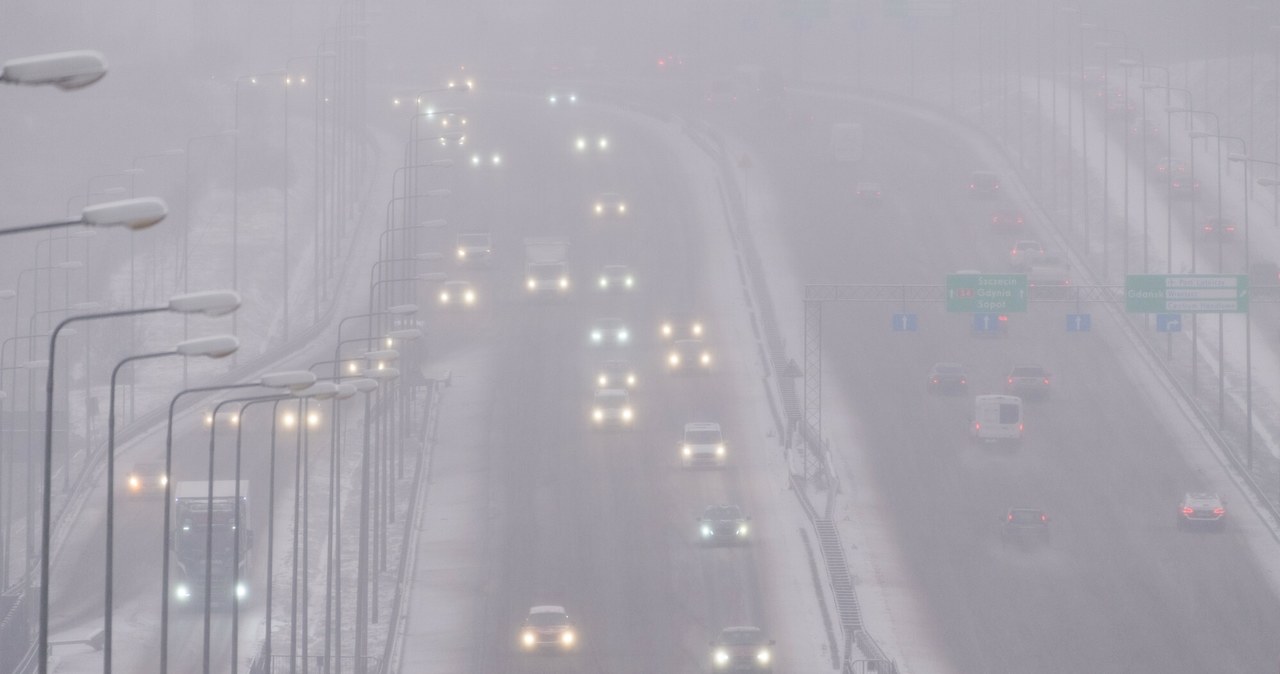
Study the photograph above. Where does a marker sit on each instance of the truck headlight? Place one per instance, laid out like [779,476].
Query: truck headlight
[528,638]
[722,657]
[763,656]
[564,282]
[719,450]
[604,282]
[666,329]
[697,329]
[470,297]
[462,254]
[595,335]
[532,284]
[687,450]
[134,483]
[631,380]
[742,530]
[444,297]
[182,592]
[706,359]
[622,208]
[623,335]
[597,414]
[629,282]
[602,381]
[626,414]
[674,359]
[164,480]
[599,208]
[568,637]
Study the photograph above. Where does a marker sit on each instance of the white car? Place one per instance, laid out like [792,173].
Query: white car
[548,628]
[457,294]
[591,144]
[611,407]
[610,204]
[562,98]
[473,248]
[610,332]
[702,445]
[616,277]
[616,374]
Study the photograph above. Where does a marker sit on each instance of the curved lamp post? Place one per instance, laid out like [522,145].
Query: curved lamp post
[66,70]
[137,213]
[213,347]
[209,303]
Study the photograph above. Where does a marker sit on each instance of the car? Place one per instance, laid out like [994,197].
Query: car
[947,378]
[457,294]
[616,374]
[1117,103]
[1093,77]
[1219,228]
[869,193]
[591,143]
[473,248]
[548,628]
[1049,270]
[1024,253]
[688,356]
[1007,219]
[1025,526]
[1167,164]
[609,204]
[610,332]
[702,445]
[482,159]
[146,480]
[1028,381]
[616,277]
[723,525]
[742,649]
[984,184]
[611,408]
[1150,127]
[562,98]
[719,92]
[996,418]
[683,325]
[1202,509]
[1184,187]
[1264,274]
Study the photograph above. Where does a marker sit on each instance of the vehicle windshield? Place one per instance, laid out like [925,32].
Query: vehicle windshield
[722,513]
[740,637]
[611,400]
[702,437]
[549,619]
[473,240]
[949,369]
[1025,517]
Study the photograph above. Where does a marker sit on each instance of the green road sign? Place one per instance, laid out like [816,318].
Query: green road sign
[986,293]
[1186,293]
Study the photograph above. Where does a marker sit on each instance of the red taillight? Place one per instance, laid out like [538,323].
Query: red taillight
[1019,219]
[1019,428]
[963,380]
[1009,517]
[1011,380]
[1046,381]
[1219,511]
[1002,318]
[935,380]
[1014,251]
[1188,511]
[977,426]
[1044,517]
[1208,228]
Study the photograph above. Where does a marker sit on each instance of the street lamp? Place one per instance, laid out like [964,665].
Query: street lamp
[362,557]
[66,70]
[291,380]
[138,213]
[1248,322]
[209,303]
[213,347]
[1169,169]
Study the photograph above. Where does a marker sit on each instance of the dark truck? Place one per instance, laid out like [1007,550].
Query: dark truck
[229,574]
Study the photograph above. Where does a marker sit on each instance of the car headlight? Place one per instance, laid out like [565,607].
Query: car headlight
[599,208]
[164,480]
[706,359]
[722,657]
[567,637]
[564,282]
[134,483]
[182,592]
[597,414]
[528,638]
[533,284]
[629,282]
[602,381]
[687,450]
[603,144]
[444,298]
[631,380]
[581,144]
[470,297]
[552,99]
[595,335]
[674,359]
[706,531]
[242,591]
[462,254]
[719,450]
[697,329]
[666,329]
[742,530]
[623,335]
[626,414]
[763,656]
[604,282]
[622,208]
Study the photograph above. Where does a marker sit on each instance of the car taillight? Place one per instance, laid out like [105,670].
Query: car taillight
[977,426]
[962,380]
[1046,381]
[1219,511]
[1009,517]
[1010,380]
[1044,517]
[1019,428]
[1188,510]
[935,380]
[1002,318]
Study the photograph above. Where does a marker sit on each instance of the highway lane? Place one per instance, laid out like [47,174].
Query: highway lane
[602,522]
[1119,588]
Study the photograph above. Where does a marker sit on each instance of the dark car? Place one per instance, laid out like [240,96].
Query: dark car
[947,378]
[869,193]
[1025,526]
[1007,219]
[984,184]
[1028,381]
[724,525]
[741,649]
[1202,509]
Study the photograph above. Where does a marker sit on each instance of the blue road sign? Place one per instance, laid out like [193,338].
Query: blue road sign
[904,323]
[1079,322]
[986,323]
[1168,322]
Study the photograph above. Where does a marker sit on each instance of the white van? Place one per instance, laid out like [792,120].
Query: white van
[996,418]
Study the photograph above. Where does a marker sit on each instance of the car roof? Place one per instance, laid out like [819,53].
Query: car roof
[616,267]
[1024,511]
[740,629]
[701,426]
[1201,496]
[612,320]
[688,343]
[948,366]
[1027,366]
[549,608]
[714,509]
[611,393]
